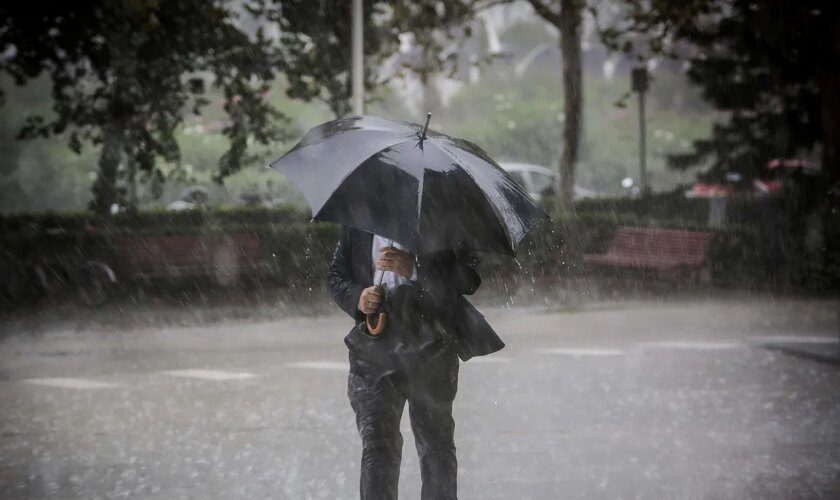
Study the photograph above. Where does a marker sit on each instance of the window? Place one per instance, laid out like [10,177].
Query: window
[543,184]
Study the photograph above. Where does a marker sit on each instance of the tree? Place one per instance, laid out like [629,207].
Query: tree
[125,73]
[774,66]
[315,41]
[568,21]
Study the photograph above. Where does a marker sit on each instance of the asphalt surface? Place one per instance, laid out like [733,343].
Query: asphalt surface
[678,400]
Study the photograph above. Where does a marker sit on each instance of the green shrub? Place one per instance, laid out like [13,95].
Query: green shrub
[299,251]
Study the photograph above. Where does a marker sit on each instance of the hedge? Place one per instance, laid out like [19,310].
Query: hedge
[300,250]
[152,221]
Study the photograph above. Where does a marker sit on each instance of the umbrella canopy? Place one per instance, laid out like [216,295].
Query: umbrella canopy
[425,190]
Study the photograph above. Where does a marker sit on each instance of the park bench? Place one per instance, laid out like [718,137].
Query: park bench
[656,250]
[186,256]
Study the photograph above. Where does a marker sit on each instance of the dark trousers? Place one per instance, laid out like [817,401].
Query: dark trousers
[379,404]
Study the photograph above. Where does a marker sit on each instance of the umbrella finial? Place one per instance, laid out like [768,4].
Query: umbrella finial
[426,126]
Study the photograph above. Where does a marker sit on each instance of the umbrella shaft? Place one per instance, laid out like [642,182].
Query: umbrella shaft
[382,276]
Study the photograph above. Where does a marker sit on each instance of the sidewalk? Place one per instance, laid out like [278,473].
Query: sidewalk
[813,350]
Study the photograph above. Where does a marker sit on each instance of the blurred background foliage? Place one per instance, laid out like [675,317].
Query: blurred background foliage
[209,93]
[513,122]
[247,78]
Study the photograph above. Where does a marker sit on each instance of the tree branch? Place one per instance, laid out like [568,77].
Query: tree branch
[545,12]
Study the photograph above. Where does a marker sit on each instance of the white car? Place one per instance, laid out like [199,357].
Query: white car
[539,181]
[190,198]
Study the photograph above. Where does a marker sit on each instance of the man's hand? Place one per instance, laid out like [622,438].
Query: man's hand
[395,260]
[370,299]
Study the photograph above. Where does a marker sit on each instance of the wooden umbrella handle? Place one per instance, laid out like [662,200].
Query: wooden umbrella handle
[380,323]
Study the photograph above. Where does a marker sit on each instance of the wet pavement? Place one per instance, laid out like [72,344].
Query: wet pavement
[677,400]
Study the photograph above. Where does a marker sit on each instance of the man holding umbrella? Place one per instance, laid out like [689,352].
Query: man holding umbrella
[414,205]
[379,388]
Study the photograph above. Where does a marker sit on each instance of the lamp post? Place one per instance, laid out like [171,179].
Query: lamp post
[640,85]
[357,64]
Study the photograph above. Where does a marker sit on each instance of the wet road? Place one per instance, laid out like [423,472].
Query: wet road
[648,400]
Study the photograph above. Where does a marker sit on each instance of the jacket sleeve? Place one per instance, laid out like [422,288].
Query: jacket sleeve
[344,290]
[466,279]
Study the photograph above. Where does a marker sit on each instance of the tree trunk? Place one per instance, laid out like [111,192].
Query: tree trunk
[570,21]
[105,187]
[124,61]
[829,85]
[131,176]
[830,96]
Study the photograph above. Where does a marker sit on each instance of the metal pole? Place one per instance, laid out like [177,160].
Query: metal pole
[425,127]
[357,71]
[640,85]
[642,153]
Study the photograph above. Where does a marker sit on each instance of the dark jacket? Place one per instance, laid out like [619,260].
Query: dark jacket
[443,278]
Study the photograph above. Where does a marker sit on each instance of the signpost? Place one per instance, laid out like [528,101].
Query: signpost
[640,85]
[357,70]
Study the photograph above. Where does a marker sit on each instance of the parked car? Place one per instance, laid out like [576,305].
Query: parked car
[190,198]
[770,181]
[539,181]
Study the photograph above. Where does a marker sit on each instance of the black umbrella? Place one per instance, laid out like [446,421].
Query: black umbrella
[423,189]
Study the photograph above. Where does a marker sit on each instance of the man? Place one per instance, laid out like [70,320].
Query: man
[378,390]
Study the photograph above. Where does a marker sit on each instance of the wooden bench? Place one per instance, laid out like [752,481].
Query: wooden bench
[186,256]
[655,249]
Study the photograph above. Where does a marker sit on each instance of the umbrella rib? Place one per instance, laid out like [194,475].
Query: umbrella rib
[421,183]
